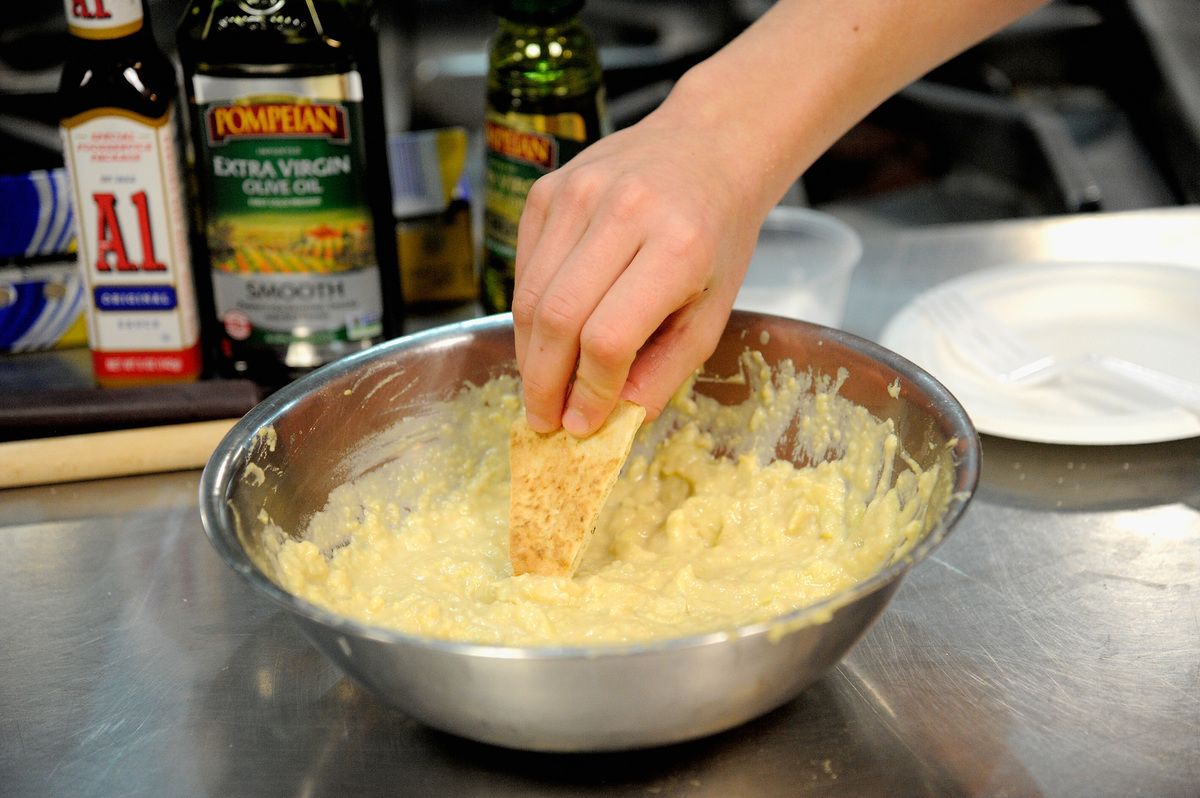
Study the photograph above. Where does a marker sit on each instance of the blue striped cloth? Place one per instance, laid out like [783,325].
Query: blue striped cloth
[35,214]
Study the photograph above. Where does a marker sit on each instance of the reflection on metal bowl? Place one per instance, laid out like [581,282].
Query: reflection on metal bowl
[310,437]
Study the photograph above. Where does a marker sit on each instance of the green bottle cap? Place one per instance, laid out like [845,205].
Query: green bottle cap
[537,10]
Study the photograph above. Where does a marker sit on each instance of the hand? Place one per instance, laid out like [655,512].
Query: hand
[628,260]
[630,255]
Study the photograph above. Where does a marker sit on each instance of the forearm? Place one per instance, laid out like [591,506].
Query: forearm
[785,90]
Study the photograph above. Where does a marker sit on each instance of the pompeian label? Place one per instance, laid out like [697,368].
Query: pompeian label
[536,149]
[289,227]
[520,149]
[132,245]
[103,19]
[277,119]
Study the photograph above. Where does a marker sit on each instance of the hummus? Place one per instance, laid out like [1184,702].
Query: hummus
[705,530]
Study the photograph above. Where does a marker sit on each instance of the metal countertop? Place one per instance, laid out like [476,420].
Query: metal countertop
[1050,647]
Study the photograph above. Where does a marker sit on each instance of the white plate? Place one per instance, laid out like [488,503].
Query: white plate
[1146,313]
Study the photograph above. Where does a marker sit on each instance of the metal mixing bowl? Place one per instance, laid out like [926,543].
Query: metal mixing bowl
[331,426]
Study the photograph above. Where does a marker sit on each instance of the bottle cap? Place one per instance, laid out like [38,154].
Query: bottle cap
[103,19]
[537,10]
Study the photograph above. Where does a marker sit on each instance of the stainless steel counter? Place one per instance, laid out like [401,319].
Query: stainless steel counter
[1051,647]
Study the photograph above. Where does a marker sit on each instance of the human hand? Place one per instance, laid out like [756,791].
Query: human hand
[630,255]
[629,258]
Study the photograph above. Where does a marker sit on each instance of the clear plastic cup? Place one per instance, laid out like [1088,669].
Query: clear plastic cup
[801,267]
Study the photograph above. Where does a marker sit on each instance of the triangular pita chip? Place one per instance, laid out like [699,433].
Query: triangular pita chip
[559,484]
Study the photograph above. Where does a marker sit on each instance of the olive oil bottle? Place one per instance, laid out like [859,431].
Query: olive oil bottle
[545,103]
[290,155]
[119,124]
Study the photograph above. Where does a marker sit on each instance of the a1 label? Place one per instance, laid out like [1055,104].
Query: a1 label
[132,245]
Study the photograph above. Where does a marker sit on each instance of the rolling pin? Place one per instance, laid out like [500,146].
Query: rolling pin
[96,455]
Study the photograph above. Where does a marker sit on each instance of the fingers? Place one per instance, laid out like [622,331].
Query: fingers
[557,303]
[680,346]
[669,273]
[560,237]
[689,336]
[558,210]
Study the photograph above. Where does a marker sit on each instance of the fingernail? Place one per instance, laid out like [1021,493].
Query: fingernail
[539,424]
[575,423]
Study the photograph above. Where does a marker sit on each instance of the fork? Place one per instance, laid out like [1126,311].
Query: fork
[1012,360]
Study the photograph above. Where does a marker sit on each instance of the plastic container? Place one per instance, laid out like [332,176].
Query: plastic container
[802,266]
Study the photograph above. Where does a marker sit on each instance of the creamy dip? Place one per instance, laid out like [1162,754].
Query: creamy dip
[704,532]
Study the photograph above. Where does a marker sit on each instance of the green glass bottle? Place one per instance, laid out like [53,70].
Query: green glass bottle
[290,155]
[545,103]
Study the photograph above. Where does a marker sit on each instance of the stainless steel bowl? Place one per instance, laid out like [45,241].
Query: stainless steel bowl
[327,429]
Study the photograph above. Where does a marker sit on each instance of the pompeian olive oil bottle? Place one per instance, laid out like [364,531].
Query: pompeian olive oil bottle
[120,131]
[290,155]
[545,103]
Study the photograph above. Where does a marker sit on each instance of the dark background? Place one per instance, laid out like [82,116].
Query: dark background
[1079,107]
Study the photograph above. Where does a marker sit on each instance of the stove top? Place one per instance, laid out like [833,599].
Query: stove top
[1067,111]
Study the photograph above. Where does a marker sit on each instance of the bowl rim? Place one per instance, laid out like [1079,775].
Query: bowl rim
[226,457]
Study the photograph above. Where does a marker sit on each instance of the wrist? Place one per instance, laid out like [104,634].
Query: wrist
[723,132]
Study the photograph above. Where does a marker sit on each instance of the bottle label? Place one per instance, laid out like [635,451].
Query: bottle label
[290,232]
[132,245]
[103,19]
[520,149]
[437,257]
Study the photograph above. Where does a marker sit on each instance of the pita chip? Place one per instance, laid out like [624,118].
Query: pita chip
[559,485]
